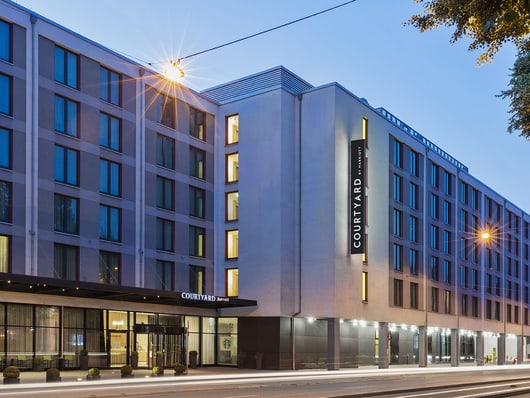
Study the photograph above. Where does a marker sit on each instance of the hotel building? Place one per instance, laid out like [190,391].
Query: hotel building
[357,241]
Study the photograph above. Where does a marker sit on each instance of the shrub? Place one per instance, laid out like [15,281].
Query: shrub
[93,372]
[126,370]
[38,361]
[158,370]
[53,372]
[179,368]
[193,353]
[11,372]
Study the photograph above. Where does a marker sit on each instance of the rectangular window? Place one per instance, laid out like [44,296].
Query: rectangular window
[6,94]
[109,177]
[447,271]
[447,301]
[435,238]
[66,69]
[488,309]
[165,151]
[66,262]
[232,167]
[398,257]
[365,131]
[464,304]
[464,280]
[413,163]
[447,182]
[109,268]
[398,222]
[232,129]
[164,275]
[66,165]
[6,40]
[232,244]
[435,171]
[474,279]
[463,192]
[398,188]
[434,299]
[447,240]
[66,116]
[232,206]
[197,119]
[165,235]
[435,268]
[6,202]
[413,196]
[166,110]
[474,198]
[197,158]
[197,242]
[364,287]
[197,205]
[398,154]
[109,223]
[109,86]
[110,132]
[398,292]
[5,148]
[447,212]
[497,311]
[434,206]
[232,282]
[414,296]
[197,279]
[413,229]
[5,253]
[66,214]
[474,307]
[165,193]
[413,261]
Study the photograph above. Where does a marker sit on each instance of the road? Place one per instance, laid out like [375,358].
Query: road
[468,382]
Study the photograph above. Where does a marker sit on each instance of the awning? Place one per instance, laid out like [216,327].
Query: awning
[90,290]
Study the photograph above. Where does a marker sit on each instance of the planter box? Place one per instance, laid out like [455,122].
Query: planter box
[127,376]
[11,380]
[93,377]
[53,379]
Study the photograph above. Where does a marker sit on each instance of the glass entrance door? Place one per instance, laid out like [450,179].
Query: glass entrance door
[118,348]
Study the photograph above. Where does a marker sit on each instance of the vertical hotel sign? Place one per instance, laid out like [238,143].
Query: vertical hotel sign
[358,205]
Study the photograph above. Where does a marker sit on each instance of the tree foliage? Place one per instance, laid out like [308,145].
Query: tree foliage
[489,24]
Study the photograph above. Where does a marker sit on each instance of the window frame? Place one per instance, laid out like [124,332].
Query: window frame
[6,136]
[6,202]
[69,172]
[235,244]
[65,261]
[197,248]
[165,235]
[106,172]
[107,83]
[61,214]
[110,275]
[197,124]
[8,110]
[107,133]
[113,230]
[63,73]
[163,145]
[197,202]
[162,267]
[197,163]
[7,29]
[229,125]
[66,125]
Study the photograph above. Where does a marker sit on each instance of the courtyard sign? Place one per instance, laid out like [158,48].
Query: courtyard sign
[358,205]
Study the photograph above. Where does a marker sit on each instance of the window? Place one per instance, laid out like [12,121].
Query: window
[232,167]
[464,305]
[474,279]
[66,214]
[464,277]
[398,292]
[197,279]
[447,182]
[435,170]
[165,235]
[232,244]
[497,311]
[398,154]
[5,148]
[6,94]
[109,86]
[66,262]
[165,193]
[413,229]
[435,268]
[232,206]
[488,309]
[232,282]
[197,124]
[398,257]
[447,242]
[165,151]
[398,188]
[166,110]
[414,297]
[6,39]
[109,268]
[413,163]
[447,212]
[364,287]
[197,157]
[474,307]
[66,70]
[197,241]
[434,299]
[164,275]
[447,301]
[66,165]
[5,253]
[109,177]
[435,238]
[413,261]
[110,132]
[197,207]
[6,202]
[398,222]
[474,198]
[232,129]
[447,271]
[365,131]
[434,206]
[66,116]
[463,192]
[109,223]
[413,196]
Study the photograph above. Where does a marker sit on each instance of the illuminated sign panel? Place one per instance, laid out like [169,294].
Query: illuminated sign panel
[358,198]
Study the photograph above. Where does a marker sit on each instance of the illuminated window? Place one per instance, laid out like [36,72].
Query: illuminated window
[232,244]
[197,124]
[232,167]
[109,268]
[364,286]
[66,69]
[232,282]
[365,131]
[5,257]
[232,129]
[232,206]
[109,86]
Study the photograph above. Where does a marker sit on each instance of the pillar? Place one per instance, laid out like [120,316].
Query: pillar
[520,349]
[479,348]
[422,349]
[455,347]
[383,345]
[501,349]
[333,344]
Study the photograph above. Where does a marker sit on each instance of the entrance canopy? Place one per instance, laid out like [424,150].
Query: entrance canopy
[90,290]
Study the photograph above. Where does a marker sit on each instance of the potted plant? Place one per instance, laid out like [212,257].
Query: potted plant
[126,371]
[193,358]
[38,364]
[93,374]
[158,371]
[179,369]
[134,359]
[53,375]
[11,375]
[159,358]
[83,359]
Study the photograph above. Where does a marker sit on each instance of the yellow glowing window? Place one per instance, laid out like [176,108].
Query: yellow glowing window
[232,243]
[365,131]
[232,206]
[232,167]
[4,253]
[232,282]
[364,286]
[232,129]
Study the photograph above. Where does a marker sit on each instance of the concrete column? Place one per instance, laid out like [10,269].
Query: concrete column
[333,343]
[520,342]
[422,342]
[383,345]
[501,349]
[479,348]
[455,347]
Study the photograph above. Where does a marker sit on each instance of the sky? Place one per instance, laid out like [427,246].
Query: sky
[434,86]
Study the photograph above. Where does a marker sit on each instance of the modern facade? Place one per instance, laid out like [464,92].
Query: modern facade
[356,240]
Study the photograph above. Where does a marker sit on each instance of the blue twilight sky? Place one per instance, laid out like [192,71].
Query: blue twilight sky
[433,86]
